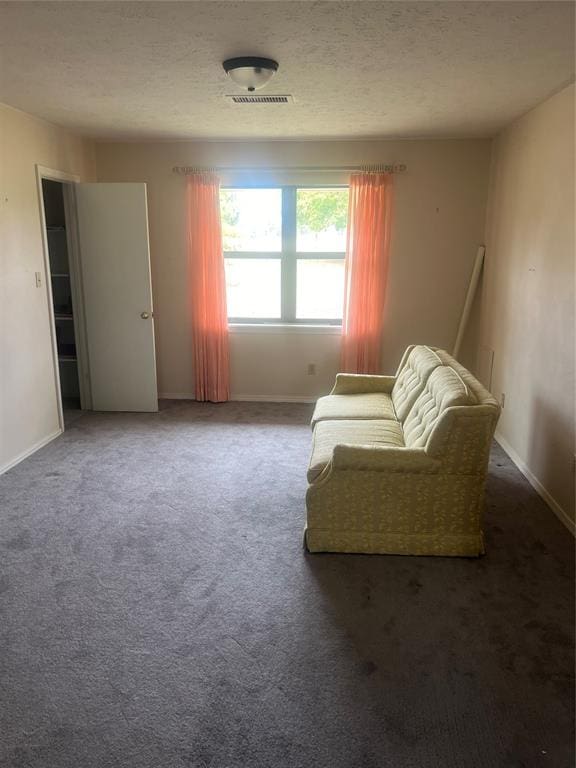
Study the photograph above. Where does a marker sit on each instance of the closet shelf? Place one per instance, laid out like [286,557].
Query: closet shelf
[63,317]
[60,274]
[67,358]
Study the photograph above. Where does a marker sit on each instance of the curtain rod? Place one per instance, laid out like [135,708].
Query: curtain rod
[378,168]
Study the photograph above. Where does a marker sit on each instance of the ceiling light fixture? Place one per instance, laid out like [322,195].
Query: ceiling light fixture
[250,72]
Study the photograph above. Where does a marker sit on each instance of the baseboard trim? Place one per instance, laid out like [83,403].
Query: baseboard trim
[29,451]
[239,398]
[176,396]
[273,398]
[560,513]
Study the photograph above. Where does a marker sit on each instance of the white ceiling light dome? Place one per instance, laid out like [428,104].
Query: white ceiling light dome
[250,72]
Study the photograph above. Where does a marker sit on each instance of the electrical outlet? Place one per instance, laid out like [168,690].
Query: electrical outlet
[502,399]
[311,369]
[38,279]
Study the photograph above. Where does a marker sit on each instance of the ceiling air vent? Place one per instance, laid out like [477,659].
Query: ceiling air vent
[256,98]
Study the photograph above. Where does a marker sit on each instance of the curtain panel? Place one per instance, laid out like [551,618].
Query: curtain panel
[207,284]
[366,271]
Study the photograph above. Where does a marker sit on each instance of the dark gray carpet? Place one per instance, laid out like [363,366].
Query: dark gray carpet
[157,610]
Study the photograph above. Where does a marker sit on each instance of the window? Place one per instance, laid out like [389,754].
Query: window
[284,253]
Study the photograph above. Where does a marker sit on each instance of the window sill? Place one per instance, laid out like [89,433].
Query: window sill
[285,328]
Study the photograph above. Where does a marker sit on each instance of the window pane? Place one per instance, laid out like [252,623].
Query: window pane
[321,217]
[253,288]
[320,289]
[251,219]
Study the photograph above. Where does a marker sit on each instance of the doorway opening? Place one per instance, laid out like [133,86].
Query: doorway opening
[99,293]
[62,295]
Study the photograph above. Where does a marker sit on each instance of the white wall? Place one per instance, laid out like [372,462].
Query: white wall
[28,398]
[527,308]
[438,224]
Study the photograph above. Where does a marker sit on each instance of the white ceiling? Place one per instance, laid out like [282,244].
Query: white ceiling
[356,69]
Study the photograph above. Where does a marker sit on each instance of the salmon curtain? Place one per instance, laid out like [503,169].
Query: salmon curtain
[207,289]
[367,249]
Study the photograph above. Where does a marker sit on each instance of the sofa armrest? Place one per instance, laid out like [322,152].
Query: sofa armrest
[384,459]
[360,383]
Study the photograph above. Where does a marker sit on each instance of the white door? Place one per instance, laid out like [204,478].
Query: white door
[117,292]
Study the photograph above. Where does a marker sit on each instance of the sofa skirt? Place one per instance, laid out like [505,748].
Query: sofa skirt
[386,543]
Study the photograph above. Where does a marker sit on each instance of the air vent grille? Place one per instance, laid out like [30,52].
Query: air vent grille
[254,98]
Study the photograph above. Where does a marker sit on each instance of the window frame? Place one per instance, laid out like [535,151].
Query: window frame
[288,256]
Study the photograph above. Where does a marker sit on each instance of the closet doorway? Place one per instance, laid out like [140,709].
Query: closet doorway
[63,282]
[98,286]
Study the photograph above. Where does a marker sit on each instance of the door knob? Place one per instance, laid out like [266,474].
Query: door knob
[144,315]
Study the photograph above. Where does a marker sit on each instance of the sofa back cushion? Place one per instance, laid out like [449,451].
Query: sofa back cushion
[443,389]
[411,378]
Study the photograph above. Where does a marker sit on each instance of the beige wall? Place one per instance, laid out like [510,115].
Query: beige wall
[28,399]
[439,222]
[527,313]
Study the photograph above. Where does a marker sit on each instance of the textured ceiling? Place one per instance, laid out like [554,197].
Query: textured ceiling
[355,69]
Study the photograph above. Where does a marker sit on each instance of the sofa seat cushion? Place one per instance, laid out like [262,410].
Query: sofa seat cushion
[370,405]
[369,432]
